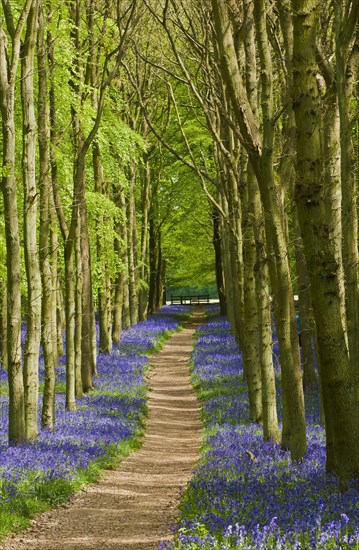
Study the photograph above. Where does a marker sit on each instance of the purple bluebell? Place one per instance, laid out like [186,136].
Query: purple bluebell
[232,502]
[106,417]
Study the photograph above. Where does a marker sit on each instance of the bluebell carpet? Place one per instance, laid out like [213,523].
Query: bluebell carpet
[235,503]
[104,419]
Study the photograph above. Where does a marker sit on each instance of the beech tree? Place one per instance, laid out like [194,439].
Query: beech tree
[33,317]
[11,33]
[315,204]
[48,247]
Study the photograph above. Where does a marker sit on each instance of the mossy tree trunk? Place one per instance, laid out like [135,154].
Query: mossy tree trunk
[104,293]
[219,262]
[126,318]
[132,248]
[340,389]
[143,263]
[47,251]
[118,292]
[347,72]
[8,80]
[3,326]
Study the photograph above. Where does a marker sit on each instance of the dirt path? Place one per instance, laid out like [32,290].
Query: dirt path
[134,506]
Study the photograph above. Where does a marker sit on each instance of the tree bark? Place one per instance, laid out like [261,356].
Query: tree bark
[104,294]
[264,308]
[153,252]
[250,346]
[288,175]
[70,329]
[119,283]
[305,311]
[339,389]
[218,262]
[60,307]
[256,226]
[126,319]
[56,212]
[132,249]
[347,70]
[143,264]
[48,332]
[8,79]
[33,328]
[78,313]
[3,326]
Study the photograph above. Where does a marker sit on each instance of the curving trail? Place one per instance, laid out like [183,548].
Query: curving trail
[134,506]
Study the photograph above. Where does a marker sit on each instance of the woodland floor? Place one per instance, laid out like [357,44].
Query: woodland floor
[134,506]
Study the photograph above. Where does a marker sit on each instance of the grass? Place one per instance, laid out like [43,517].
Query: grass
[36,496]
[107,426]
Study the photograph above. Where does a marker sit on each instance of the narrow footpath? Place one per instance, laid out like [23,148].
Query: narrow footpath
[134,506]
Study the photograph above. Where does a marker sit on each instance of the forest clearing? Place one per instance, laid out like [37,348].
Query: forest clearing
[161,158]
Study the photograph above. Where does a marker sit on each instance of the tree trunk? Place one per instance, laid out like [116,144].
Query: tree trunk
[48,333]
[143,290]
[3,326]
[250,350]
[162,278]
[104,294]
[306,320]
[56,213]
[118,290]
[256,226]
[117,309]
[33,328]
[269,396]
[8,78]
[236,251]
[227,266]
[230,227]
[333,198]
[153,252]
[70,329]
[126,319]
[132,249]
[87,356]
[78,313]
[347,70]
[260,155]
[339,389]
[288,175]
[218,262]
[60,307]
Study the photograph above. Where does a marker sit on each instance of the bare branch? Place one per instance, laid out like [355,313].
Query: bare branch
[160,136]
[190,152]
[9,18]
[349,24]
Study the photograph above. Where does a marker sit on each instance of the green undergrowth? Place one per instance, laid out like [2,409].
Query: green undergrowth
[215,388]
[161,342]
[35,496]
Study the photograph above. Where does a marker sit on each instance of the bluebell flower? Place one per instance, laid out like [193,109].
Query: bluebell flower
[108,416]
[271,503]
